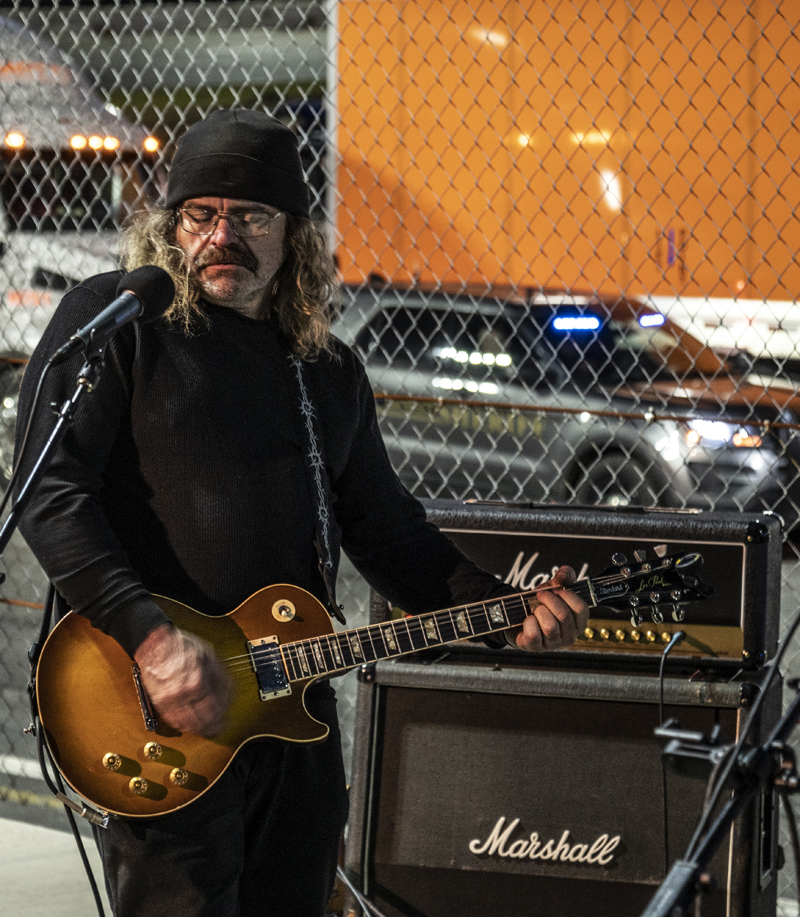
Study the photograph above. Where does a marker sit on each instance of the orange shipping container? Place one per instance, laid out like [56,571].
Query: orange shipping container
[646,149]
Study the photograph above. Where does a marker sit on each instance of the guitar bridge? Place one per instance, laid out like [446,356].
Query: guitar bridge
[265,658]
[150,720]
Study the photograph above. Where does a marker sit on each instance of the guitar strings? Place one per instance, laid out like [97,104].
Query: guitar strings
[243,664]
[413,624]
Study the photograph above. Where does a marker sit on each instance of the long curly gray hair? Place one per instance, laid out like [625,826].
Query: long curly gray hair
[304,291]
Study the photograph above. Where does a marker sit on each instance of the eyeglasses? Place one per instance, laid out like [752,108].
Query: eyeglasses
[202,221]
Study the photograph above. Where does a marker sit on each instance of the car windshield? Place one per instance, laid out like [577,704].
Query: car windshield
[535,345]
[67,192]
[588,347]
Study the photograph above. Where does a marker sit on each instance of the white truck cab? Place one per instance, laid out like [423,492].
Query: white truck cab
[71,170]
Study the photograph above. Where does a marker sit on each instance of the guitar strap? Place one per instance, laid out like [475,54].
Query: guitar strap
[326,538]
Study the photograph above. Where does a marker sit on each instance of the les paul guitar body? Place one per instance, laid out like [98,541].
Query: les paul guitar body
[112,750]
[95,727]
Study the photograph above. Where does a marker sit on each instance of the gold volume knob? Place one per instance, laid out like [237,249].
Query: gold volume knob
[605,633]
[588,633]
[112,761]
[619,634]
[153,751]
[650,636]
[138,786]
[178,776]
[636,636]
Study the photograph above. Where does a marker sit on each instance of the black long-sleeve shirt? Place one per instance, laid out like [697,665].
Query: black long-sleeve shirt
[182,475]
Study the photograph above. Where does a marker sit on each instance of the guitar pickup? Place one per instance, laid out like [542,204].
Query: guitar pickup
[265,658]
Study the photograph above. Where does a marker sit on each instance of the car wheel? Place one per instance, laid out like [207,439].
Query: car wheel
[614,480]
[10,381]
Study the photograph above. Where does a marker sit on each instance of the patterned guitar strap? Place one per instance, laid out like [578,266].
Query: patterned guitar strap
[326,539]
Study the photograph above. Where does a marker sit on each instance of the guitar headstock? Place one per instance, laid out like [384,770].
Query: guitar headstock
[665,584]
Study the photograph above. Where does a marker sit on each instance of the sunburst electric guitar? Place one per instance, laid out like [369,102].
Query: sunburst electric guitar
[110,746]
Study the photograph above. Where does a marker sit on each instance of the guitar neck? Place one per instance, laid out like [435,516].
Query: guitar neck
[335,653]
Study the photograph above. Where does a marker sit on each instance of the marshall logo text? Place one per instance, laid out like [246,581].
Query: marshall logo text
[499,843]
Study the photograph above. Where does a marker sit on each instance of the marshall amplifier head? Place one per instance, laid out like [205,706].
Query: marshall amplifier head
[479,790]
[734,627]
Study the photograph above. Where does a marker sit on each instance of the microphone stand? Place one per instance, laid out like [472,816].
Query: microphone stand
[88,377]
[756,767]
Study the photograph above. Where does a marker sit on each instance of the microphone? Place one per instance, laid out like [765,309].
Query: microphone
[145,293]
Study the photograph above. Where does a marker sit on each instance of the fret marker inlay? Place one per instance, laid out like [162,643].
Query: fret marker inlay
[388,635]
[301,655]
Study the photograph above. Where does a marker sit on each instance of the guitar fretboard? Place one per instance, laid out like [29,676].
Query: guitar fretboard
[339,652]
[643,586]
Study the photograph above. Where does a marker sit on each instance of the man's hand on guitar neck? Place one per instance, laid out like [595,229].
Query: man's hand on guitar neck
[185,681]
[558,616]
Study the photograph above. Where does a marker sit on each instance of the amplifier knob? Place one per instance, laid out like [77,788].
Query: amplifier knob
[605,633]
[665,636]
[589,633]
[619,634]
[635,636]
[651,637]
[138,786]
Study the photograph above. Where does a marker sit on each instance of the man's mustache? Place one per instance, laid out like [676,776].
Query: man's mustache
[226,254]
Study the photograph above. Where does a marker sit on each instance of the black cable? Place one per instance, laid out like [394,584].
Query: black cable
[55,784]
[87,866]
[24,444]
[676,639]
[57,789]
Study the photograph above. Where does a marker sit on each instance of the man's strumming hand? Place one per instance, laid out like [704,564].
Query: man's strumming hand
[185,680]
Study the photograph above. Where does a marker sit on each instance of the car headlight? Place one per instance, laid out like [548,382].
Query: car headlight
[715,434]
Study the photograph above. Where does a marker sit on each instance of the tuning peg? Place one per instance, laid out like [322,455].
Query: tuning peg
[678,613]
[636,617]
[619,560]
[656,615]
[660,550]
[640,555]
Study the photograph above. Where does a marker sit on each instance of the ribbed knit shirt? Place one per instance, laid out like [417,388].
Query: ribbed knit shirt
[183,475]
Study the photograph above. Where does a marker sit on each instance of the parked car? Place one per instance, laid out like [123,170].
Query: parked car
[538,396]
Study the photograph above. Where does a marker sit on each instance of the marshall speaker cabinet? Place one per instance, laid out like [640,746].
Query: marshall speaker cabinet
[491,782]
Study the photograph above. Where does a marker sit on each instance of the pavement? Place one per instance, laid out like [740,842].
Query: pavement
[41,873]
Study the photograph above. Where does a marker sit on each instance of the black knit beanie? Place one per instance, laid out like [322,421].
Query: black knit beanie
[241,154]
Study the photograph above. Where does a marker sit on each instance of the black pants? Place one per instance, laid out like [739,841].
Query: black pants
[262,842]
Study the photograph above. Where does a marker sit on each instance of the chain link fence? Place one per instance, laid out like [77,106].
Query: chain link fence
[566,233]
